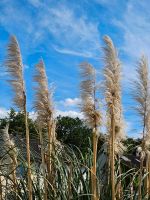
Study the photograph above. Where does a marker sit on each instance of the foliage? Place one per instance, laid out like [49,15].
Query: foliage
[74,132]
[131,144]
[17,125]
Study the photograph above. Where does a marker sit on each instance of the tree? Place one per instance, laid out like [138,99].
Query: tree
[73,131]
[17,125]
[131,144]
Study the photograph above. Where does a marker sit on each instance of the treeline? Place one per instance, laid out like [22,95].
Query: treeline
[69,131]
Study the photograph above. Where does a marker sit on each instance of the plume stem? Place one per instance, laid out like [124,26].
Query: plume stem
[141,96]
[14,166]
[95,140]
[94,179]
[1,186]
[49,125]
[28,153]
[112,158]
[43,161]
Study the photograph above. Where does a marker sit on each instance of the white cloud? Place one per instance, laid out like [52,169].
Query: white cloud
[3,112]
[67,107]
[70,113]
[69,102]
[33,115]
[72,102]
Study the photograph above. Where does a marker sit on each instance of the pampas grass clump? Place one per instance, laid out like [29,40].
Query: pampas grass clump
[60,173]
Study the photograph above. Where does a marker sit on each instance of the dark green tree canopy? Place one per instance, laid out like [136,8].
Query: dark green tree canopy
[17,125]
[73,131]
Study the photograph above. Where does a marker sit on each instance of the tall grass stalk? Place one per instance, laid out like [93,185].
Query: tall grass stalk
[112,73]
[112,152]
[43,159]
[1,190]
[15,69]
[90,108]
[44,108]
[142,97]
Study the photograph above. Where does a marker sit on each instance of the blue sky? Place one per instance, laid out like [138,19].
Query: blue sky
[67,32]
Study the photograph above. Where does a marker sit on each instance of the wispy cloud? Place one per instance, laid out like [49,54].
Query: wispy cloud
[135,24]
[56,24]
[74,53]
[75,33]
[35,3]
[3,74]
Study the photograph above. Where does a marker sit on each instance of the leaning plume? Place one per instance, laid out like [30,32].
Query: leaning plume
[89,102]
[89,107]
[15,69]
[43,103]
[142,97]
